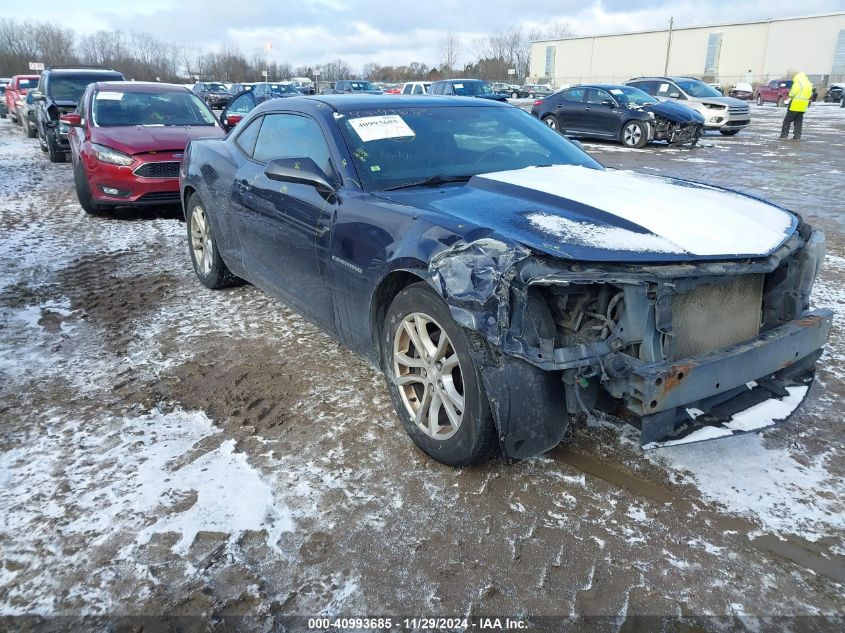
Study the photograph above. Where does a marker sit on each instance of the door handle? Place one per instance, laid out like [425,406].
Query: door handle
[587,109]
[244,185]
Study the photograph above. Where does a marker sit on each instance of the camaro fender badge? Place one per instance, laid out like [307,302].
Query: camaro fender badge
[343,262]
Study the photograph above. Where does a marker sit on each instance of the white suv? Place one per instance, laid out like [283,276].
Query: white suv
[726,114]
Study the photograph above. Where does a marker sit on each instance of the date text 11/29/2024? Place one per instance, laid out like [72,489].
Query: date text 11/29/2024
[417,624]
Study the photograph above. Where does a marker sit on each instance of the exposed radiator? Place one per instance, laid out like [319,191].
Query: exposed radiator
[716,316]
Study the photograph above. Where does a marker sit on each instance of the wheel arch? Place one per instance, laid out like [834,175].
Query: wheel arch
[390,285]
[187,192]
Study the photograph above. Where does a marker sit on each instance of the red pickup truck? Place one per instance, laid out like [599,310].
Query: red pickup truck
[776,91]
[19,85]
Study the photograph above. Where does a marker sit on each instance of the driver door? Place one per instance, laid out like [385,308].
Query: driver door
[285,228]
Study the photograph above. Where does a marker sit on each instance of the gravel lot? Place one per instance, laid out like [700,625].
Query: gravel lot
[168,450]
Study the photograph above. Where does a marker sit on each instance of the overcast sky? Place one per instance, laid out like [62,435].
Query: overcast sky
[386,32]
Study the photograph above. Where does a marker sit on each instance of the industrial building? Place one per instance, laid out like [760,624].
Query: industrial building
[723,53]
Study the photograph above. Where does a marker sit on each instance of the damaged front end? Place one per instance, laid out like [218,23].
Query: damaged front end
[675,132]
[685,352]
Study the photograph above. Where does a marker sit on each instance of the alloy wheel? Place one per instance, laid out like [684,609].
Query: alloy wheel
[429,377]
[201,242]
[551,122]
[632,134]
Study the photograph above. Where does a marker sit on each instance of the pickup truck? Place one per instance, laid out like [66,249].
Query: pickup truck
[776,91]
[17,87]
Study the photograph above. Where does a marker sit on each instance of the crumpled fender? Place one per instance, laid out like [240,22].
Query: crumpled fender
[474,279]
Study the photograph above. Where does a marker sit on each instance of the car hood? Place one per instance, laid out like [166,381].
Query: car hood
[727,101]
[610,215]
[673,111]
[139,139]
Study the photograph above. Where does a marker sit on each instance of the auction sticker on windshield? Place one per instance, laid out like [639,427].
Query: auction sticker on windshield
[110,96]
[376,128]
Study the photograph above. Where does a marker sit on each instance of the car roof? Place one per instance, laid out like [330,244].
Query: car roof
[352,102]
[82,71]
[479,80]
[140,86]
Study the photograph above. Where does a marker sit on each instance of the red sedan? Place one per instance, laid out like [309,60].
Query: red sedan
[127,140]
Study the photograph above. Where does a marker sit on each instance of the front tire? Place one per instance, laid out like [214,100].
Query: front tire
[205,256]
[28,129]
[83,191]
[552,122]
[634,135]
[729,132]
[433,379]
[514,95]
[54,150]
[759,100]
[780,102]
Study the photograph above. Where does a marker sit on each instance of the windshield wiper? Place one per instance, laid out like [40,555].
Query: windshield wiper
[431,181]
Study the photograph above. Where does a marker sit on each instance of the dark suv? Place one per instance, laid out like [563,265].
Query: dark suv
[58,93]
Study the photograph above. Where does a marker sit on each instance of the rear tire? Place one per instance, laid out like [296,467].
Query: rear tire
[552,122]
[83,191]
[202,245]
[433,379]
[780,102]
[28,129]
[634,135]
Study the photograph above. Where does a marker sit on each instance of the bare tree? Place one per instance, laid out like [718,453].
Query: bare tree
[449,50]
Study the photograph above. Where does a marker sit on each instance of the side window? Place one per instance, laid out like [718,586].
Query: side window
[241,105]
[418,89]
[246,139]
[407,89]
[292,136]
[596,96]
[664,89]
[448,89]
[573,94]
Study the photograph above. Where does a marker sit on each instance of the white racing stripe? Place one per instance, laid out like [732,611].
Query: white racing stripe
[700,220]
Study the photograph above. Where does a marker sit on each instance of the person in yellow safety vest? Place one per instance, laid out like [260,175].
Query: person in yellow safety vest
[797,104]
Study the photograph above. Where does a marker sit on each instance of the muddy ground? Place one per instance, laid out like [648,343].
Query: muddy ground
[169,450]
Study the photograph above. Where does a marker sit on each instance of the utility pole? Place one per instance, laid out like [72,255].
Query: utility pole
[668,48]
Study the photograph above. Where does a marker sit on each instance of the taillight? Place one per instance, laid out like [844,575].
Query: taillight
[538,102]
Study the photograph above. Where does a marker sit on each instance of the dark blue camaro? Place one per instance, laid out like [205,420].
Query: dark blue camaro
[503,279]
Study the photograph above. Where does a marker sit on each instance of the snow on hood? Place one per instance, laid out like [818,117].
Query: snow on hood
[658,214]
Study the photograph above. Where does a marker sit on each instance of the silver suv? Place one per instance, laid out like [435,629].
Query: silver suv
[726,114]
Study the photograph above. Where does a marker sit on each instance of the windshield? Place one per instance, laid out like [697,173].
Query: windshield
[283,89]
[70,88]
[628,95]
[26,84]
[215,87]
[695,88]
[399,146]
[116,108]
[362,85]
[472,88]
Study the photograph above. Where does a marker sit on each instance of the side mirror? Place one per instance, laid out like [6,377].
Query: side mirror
[608,103]
[299,171]
[674,95]
[230,120]
[37,95]
[72,119]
